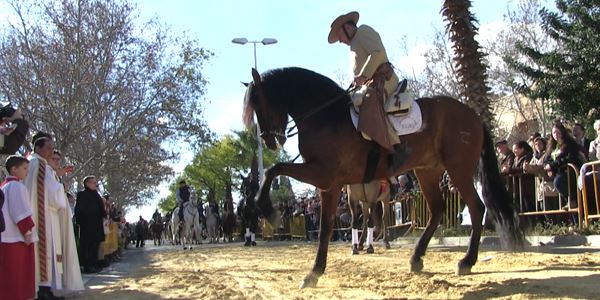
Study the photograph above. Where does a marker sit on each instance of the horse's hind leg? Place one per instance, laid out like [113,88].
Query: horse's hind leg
[328,207]
[471,199]
[371,222]
[428,180]
[354,193]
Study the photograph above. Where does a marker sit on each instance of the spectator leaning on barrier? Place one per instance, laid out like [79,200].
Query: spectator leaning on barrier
[594,149]
[524,186]
[582,141]
[563,150]
[536,167]
[506,159]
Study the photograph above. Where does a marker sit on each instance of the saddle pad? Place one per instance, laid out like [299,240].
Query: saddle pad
[405,124]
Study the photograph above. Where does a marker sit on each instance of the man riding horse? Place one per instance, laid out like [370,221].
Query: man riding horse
[182,195]
[375,80]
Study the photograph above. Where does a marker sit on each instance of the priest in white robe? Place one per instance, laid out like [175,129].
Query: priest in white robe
[49,206]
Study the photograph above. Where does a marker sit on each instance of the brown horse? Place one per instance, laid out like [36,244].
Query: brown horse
[452,138]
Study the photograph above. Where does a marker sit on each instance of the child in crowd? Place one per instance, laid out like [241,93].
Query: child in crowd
[17,272]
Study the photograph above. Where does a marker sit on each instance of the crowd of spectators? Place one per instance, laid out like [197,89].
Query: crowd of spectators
[537,173]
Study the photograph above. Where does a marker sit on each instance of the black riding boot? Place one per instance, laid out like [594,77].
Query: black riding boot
[180,213]
[399,156]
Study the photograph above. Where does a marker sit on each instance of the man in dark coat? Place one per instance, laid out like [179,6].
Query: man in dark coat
[182,196]
[89,214]
[141,232]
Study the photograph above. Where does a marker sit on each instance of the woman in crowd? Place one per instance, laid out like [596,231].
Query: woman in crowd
[524,183]
[535,167]
[563,150]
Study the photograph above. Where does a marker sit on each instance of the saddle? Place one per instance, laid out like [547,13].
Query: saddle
[397,104]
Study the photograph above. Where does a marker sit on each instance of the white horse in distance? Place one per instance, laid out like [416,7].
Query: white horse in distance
[191,222]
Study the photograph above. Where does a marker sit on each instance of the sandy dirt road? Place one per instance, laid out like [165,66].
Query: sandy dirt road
[274,270]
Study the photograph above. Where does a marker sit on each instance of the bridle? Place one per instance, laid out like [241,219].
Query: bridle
[307,115]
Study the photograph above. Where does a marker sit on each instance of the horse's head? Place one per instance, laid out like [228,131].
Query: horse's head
[193,197]
[272,117]
[249,187]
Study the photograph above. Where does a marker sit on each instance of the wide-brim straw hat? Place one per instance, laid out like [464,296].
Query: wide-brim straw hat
[339,22]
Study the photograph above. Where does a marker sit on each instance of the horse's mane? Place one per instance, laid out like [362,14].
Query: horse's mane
[285,87]
[248,113]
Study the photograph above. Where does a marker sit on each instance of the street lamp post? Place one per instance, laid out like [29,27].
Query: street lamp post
[265,41]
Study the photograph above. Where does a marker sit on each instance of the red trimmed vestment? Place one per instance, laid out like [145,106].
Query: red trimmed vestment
[17,271]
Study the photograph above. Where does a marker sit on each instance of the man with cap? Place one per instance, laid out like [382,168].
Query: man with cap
[371,67]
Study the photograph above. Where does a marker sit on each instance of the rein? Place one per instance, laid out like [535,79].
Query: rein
[311,113]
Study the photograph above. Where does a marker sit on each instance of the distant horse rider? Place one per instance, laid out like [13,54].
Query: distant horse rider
[156,216]
[182,195]
[375,77]
[213,208]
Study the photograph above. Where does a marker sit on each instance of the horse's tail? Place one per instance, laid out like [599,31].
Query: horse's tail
[497,199]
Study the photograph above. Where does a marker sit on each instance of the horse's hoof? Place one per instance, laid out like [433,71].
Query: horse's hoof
[361,247]
[253,243]
[355,249]
[370,249]
[246,244]
[416,266]
[310,281]
[462,270]
[387,245]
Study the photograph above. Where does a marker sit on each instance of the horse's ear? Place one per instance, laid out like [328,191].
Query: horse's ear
[246,84]
[255,77]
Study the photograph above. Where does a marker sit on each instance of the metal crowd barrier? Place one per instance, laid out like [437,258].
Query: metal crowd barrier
[417,212]
[542,209]
[297,230]
[590,188]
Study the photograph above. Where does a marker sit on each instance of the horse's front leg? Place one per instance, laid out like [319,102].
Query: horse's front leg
[311,173]
[328,207]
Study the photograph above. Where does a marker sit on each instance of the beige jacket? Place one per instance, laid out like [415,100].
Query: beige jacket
[367,53]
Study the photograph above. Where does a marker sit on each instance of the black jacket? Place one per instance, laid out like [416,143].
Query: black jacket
[570,152]
[89,214]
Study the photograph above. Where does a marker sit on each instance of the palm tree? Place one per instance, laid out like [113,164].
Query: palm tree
[471,70]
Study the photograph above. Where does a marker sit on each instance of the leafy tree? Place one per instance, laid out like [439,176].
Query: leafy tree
[220,163]
[522,25]
[282,190]
[567,76]
[110,89]
[439,76]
